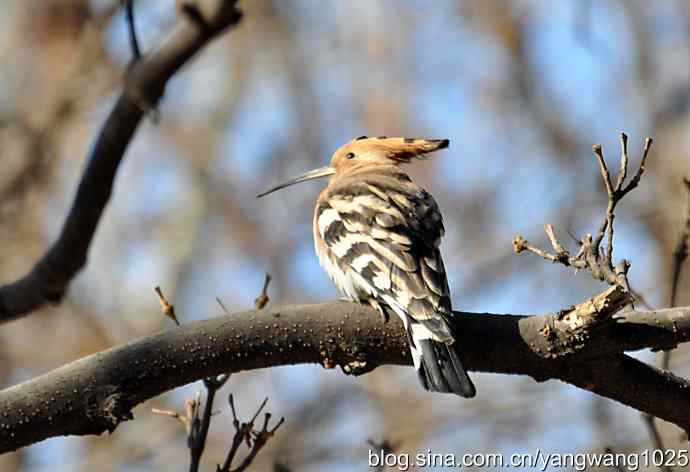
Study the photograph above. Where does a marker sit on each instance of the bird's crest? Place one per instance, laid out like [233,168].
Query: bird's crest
[364,152]
[385,150]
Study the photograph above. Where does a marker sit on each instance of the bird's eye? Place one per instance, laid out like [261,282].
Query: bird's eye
[350,155]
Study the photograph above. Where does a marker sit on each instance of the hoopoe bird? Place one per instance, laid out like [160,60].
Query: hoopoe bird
[377,235]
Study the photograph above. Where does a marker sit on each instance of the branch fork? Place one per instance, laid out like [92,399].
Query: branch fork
[245,433]
[569,331]
[591,255]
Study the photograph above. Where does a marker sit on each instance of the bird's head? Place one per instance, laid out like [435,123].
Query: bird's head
[369,152]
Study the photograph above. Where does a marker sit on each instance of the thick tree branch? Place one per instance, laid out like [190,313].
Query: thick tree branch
[145,81]
[96,393]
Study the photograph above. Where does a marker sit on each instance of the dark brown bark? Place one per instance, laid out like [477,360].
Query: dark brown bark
[96,393]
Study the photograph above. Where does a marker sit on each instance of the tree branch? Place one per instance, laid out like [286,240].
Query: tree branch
[132,29]
[683,247]
[598,261]
[200,21]
[96,393]
[196,439]
[245,433]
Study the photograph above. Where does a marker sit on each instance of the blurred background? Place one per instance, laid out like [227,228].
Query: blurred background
[521,88]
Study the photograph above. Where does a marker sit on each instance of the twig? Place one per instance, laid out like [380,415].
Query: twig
[167,309]
[241,432]
[263,299]
[134,43]
[244,433]
[658,443]
[185,420]
[197,437]
[680,255]
[259,302]
[197,428]
[189,419]
[260,438]
[639,298]
[150,108]
[222,306]
[591,256]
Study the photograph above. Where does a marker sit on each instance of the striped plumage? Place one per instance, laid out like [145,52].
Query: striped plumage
[377,235]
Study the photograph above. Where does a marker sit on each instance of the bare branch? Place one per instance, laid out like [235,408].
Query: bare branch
[241,432]
[520,244]
[656,439]
[197,428]
[262,300]
[591,255]
[680,255]
[199,431]
[598,152]
[218,300]
[244,432]
[133,41]
[623,170]
[167,309]
[98,392]
[638,175]
[186,422]
[260,438]
[144,85]
[190,419]
[559,250]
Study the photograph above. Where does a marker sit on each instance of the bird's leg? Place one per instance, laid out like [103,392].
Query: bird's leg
[381,308]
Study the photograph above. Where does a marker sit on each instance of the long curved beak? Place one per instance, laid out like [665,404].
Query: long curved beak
[312,174]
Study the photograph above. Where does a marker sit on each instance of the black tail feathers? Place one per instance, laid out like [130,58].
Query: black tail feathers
[441,370]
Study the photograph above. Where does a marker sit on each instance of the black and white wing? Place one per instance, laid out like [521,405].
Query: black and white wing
[378,237]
